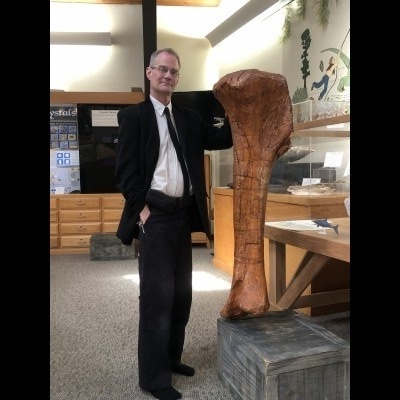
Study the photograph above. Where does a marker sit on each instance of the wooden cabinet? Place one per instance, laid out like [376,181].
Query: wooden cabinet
[54,240]
[111,213]
[201,237]
[74,218]
[79,216]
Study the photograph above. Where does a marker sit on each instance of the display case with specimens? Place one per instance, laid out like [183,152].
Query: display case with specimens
[318,162]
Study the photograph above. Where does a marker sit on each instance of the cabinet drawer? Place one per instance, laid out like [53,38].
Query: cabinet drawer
[73,203]
[110,227]
[53,216]
[53,203]
[83,215]
[87,228]
[113,202]
[112,215]
[75,241]
[54,243]
[53,229]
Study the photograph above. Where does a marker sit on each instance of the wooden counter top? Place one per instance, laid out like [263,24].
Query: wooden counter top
[291,198]
[96,97]
[320,247]
[329,244]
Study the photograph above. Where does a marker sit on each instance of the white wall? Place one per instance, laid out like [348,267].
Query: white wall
[120,67]
[114,68]
[199,69]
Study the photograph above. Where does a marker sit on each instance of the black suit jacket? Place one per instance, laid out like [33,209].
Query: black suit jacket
[137,156]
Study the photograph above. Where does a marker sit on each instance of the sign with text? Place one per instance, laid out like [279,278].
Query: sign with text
[64,149]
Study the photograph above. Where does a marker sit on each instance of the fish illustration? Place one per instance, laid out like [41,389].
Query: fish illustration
[325,224]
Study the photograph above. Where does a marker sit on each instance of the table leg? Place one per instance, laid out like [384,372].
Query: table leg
[309,270]
[277,271]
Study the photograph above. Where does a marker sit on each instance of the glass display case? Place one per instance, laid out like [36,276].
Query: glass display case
[318,163]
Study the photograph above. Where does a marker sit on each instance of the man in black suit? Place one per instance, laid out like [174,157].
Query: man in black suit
[162,208]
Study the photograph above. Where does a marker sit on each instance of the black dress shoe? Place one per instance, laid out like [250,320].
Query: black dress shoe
[182,369]
[168,393]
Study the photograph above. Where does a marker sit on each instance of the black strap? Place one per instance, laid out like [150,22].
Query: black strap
[179,153]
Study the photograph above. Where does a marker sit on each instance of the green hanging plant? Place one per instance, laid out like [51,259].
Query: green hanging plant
[322,11]
[286,29]
[301,8]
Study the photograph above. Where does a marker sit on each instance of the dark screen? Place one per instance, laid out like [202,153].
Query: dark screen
[97,149]
[202,101]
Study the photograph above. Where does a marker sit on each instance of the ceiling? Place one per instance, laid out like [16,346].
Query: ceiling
[211,19]
[189,3]
[196,18]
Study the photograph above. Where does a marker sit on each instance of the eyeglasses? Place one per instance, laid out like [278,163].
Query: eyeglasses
[163,69]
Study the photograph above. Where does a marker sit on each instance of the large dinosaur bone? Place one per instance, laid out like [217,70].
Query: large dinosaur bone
[260,113]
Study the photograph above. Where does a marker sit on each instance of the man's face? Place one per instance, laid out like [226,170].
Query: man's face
[164,74]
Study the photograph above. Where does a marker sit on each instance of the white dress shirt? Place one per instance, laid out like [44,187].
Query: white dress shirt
[168,176]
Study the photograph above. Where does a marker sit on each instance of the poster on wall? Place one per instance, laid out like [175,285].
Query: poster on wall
[64,149]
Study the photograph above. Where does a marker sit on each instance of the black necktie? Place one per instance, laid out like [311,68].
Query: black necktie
[179,153]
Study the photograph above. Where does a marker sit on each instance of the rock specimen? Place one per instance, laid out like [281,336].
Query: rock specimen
[259,109]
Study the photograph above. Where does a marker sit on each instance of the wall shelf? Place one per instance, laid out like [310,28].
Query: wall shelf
[61,97]
[319,127]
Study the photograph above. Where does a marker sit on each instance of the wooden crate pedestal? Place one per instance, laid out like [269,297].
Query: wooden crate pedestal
[106,246]
[281,356]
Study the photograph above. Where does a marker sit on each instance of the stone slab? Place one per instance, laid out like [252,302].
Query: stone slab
[106,246]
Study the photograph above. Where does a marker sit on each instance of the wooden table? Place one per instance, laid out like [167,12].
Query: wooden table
[319,249]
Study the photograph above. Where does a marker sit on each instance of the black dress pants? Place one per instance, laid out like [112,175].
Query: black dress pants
[165,270]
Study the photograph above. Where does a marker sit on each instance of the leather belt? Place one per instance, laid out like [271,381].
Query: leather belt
[164,202]
[181,201]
